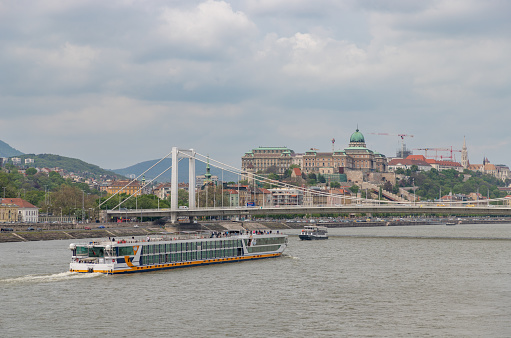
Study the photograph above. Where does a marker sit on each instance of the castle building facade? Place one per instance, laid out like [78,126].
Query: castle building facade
[355,157]
[262,158]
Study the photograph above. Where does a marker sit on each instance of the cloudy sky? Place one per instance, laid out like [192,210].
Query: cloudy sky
[122,81]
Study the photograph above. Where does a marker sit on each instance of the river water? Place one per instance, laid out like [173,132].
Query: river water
[435,280]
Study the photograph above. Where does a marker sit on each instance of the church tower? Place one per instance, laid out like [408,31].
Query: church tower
[464,155]
[207,176]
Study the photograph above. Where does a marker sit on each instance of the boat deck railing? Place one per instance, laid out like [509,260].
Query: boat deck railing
[177,236]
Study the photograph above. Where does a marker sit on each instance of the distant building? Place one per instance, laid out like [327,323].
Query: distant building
[201,180]
[162,190]
[206,179]
[296,172]
[16,160]
[27,212]
[124,187]
[499,171]
[8,213]
[29,160]
[263,158]
[464,155]
[287,196]
[422,163]
[233,197]
[355,157]
[338,197]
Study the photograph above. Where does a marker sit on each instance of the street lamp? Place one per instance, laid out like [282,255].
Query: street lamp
[83,206]
[413,180]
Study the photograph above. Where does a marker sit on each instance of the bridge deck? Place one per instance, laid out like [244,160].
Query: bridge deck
[350,209]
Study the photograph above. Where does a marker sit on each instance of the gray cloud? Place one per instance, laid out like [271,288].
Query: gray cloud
[91,79]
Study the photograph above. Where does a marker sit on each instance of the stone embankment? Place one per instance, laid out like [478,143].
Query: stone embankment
[47,232]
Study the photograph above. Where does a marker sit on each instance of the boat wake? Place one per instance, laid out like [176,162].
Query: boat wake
[289,256]
[57,277]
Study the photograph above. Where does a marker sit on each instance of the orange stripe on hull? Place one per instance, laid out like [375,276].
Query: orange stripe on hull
[133,268]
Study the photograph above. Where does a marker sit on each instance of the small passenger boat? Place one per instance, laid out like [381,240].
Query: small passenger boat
[173,250]
[312,232]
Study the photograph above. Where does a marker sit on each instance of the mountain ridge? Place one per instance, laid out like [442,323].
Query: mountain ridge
[8,151]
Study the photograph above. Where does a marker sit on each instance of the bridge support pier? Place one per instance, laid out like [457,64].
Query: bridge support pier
[174,205]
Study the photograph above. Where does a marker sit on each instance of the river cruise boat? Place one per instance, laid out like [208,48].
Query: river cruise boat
[312,232]
[173,250]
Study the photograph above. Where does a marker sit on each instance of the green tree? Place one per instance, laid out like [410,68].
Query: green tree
[388,186]
[31,171]
[334,185]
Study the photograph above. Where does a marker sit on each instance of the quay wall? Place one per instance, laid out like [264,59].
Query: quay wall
[77,231]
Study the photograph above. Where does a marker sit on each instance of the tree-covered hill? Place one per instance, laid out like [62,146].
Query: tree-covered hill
[68,164]
[433,184]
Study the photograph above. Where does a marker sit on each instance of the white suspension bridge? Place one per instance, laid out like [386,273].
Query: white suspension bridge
[331,203]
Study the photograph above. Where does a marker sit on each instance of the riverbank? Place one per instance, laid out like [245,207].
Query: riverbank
[47,232]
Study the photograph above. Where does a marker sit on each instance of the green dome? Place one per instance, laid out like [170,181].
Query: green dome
[357,137]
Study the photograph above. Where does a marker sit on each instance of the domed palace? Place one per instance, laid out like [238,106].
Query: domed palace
[355,157]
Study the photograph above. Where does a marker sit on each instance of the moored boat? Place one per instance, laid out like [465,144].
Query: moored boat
[312,232]
[173,250]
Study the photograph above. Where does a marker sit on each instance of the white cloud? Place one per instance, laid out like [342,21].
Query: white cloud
[209,25]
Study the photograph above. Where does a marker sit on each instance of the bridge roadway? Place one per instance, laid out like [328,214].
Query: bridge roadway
[348,209]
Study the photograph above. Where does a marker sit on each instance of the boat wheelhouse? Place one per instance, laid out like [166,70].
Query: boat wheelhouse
[173,250]
[312,232]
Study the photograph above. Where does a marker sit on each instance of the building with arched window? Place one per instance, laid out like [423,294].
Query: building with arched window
[355,157]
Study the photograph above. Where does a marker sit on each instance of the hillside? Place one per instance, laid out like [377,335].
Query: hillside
[200,169]
[8,151]
[68,164]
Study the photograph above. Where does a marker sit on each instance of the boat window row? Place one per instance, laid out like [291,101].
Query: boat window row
[89,251]
[189,256]
[266,241]
[255,249]
[190,246]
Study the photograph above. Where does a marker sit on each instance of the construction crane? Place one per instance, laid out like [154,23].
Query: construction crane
[402,136]
[451,157]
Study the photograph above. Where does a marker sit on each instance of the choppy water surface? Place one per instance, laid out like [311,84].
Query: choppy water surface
[374,282]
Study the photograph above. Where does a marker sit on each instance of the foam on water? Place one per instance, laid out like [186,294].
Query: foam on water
[57,277]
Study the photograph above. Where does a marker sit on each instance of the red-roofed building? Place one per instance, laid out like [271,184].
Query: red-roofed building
[296,172]
[416,158]
[407,163]
[27,212]
[444,165]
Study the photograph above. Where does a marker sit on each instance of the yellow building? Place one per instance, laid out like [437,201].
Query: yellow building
[8,213]
[124,187]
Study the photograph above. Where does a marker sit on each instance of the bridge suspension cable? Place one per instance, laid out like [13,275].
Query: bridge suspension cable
[133,180]
[262,179]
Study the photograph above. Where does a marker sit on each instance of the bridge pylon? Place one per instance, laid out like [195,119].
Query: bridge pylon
[176,155]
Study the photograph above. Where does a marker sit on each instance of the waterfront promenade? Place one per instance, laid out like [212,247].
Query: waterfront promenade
[103,230]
